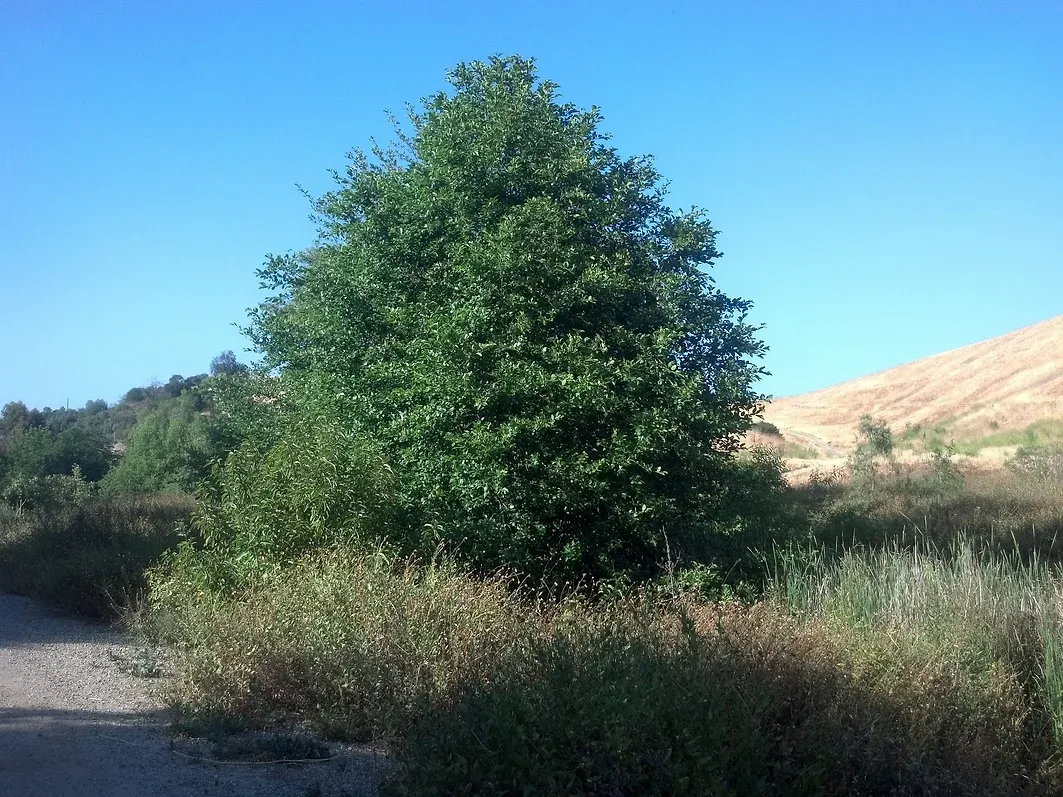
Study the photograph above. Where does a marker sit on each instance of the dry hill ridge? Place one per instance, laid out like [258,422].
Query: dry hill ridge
[986,389]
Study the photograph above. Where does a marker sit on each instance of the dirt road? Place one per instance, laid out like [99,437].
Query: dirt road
[73,723]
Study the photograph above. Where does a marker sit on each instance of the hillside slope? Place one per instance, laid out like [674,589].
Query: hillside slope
[1005,383]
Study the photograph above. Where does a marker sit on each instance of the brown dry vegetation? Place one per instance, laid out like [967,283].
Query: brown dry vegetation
[480,690]
[1006,383]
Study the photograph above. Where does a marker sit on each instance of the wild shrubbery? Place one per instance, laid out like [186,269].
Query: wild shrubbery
[483,690]
[480,497]
[507,312]
[91,556]
[315,487]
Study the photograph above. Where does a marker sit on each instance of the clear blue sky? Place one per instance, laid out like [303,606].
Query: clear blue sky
[887,176]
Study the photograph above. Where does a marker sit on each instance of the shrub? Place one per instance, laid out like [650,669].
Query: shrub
[314,488]
[360,646]
[169,449]
[91,557]
[1041,462]
[766,428]
[722,701]
[480,690]
[47,492]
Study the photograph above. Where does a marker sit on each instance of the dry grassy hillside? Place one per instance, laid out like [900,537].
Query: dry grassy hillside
[978,392]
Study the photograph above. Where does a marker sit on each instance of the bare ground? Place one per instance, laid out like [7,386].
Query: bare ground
[73,722]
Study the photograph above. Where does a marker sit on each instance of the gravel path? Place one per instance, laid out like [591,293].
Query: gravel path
[73,723]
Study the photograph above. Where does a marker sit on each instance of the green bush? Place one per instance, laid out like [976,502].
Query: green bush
[720,701]
[40,451]
[23,493]
[169,449]
[359,646]
[315,488]
[767,428]
[506,310]
[480,690]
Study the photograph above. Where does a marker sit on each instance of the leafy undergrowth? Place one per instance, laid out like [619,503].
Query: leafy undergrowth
[89,558]
[480,690]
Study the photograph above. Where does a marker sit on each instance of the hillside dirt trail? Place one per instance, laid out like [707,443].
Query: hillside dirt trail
[73,723]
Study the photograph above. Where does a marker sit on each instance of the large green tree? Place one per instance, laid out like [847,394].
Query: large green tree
[508,312]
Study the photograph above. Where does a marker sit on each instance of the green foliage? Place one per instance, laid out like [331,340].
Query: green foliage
[47,492]
[226,364]
[875,436]
[89,556]
[506,310]
[37,452]
[479,690]
[945,480]
[765,427]
[168,450]
[316,487]
[15,417]
[874,445]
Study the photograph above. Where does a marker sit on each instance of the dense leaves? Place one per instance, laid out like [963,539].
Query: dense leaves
[505,309]
[168,450]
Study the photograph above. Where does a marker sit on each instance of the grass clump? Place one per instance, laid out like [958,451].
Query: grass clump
[933,506]
[1046,432]
[359,646]
[991,618]
[791,450]
[89,558]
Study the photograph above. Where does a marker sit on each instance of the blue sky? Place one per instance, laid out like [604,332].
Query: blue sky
[887,177]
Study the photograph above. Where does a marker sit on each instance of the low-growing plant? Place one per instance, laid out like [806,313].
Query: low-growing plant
[477,689]
[315,487]
[766,428]
[358,645]
[978,610]
[91,557]
[1040,462]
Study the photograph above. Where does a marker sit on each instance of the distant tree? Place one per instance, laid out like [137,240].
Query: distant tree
[95,406]
[15,416]
[169,449]
[136,394]
[174,386]
[39,451]
[767,428]
[226,363]
[58,420]
[32,452]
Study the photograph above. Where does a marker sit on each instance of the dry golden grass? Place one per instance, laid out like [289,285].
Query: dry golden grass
[1006,383]
[480,690]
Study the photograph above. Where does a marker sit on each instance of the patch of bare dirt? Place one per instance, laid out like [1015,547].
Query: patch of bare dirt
[74,722]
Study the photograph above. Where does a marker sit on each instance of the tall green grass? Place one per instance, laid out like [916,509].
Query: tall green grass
[1039,433]
[999,510]
[981,612]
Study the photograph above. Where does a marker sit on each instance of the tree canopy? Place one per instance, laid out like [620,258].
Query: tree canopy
[505,309]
